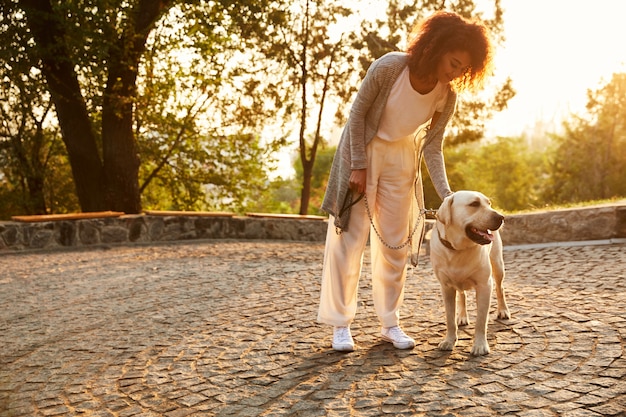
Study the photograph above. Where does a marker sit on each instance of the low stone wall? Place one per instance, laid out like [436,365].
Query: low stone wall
[581,224]
[569,225]
[153,228]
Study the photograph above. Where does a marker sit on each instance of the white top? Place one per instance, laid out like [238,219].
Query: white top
[407,110]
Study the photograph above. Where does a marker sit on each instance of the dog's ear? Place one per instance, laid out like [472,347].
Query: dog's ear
[444,214]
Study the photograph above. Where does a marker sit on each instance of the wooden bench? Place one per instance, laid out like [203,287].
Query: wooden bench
[68,216]
[286,216]
[189,213]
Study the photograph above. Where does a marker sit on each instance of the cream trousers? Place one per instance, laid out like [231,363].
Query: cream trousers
[390,178]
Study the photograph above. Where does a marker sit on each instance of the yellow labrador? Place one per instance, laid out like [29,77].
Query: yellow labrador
[466,253]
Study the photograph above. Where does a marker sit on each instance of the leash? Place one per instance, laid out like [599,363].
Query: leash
[383,241]
[423,214]
[431,214]
[348,203]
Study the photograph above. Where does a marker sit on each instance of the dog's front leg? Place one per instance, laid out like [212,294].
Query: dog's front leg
[498,272]
[449,301]
[461,306]
[503,309]
[483,299]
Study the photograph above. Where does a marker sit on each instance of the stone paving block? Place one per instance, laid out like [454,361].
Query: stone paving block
[221,328]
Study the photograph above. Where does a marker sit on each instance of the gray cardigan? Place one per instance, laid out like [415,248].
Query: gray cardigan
[362,127]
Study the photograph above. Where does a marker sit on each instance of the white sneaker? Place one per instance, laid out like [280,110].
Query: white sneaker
[342,339]
[396,336]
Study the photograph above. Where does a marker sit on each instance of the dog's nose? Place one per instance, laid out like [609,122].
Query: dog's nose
[498,219]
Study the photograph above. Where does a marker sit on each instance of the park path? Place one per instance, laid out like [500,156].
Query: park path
[227,328]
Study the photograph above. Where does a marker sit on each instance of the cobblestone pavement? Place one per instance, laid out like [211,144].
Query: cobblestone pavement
[220,328]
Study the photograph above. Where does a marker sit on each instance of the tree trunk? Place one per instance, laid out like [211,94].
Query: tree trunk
[307,173]
[71,110]
[119,151]
[121,160]
[119,148]
[30,170]
[36,201]
[37,172]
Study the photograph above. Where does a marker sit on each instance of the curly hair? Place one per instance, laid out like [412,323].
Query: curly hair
[446,32]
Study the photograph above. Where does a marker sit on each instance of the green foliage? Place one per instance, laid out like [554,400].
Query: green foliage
[314,56]
[584,164]
[590,157]
[59,188]
[34,172]
[190,128]
[281,196]
[507,170]
[185,111]
[227,175]
[46,188]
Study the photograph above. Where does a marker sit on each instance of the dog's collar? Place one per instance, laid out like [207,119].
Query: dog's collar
[443,241]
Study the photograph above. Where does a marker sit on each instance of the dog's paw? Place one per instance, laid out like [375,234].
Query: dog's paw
[504,314]
[480,348]
[447,344]
[462,321]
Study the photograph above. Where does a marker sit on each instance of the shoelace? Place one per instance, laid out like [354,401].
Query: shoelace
[342,334]
[396,333]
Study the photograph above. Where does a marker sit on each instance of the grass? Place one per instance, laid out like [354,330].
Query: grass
[610,201]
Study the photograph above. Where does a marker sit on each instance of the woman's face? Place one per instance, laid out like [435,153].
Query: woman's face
[452,65]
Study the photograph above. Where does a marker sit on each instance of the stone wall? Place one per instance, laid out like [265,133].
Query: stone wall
[581,224]
[128,229]
[603,222]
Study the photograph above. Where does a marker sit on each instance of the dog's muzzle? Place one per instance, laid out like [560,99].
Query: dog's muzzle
[484,236]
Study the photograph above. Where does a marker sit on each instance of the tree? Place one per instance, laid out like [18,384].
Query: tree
[33,165]
[590,157]
[91,55]
[26,145]
[200,143]
[110,182]
[316,64]
[321,65]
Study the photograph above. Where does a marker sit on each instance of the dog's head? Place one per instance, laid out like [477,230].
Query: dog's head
[468,214]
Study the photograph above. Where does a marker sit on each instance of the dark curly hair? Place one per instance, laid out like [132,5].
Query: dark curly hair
[446,32]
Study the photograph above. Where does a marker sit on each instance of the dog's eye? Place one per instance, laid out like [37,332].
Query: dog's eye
[475,204]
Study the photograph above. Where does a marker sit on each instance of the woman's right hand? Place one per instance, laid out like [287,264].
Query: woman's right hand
[358,180]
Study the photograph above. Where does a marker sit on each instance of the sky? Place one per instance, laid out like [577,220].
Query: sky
[555,50]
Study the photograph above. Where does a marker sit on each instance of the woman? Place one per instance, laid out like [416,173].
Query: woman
[375,181]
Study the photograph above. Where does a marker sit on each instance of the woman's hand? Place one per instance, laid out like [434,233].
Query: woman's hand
[358,180]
